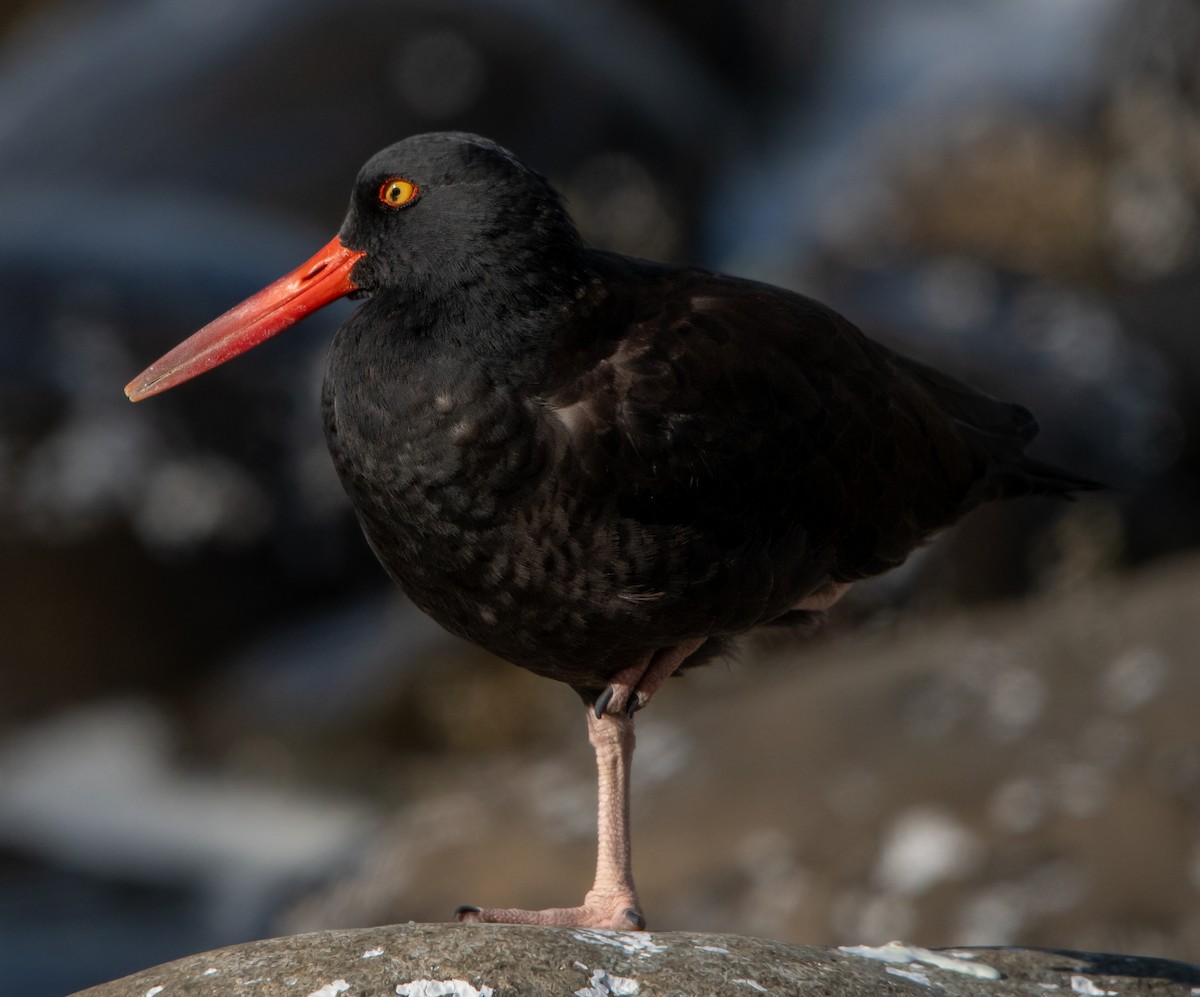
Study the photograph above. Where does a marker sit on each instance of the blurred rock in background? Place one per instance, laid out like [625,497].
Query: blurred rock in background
[217,720]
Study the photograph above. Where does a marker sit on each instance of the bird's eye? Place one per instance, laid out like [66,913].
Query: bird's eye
[397,192]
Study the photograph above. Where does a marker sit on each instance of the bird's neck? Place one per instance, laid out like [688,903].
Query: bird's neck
[473,321]
[411,383]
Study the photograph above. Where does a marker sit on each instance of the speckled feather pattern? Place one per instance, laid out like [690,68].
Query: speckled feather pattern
[681,454]
[575,459]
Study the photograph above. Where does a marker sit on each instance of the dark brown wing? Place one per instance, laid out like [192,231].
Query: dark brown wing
[764,444]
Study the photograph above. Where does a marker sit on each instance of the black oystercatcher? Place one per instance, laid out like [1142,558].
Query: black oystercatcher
[600,468]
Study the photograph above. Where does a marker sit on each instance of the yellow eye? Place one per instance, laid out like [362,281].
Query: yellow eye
[397,192]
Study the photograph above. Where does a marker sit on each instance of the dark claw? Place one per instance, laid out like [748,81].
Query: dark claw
[602,701]
[634,704]
[460,912]
[635,919]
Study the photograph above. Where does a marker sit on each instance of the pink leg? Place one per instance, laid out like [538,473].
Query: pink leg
[612,901]
[823,598]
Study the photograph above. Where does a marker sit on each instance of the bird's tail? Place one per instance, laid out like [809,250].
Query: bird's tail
[1028,476]
[1001,430]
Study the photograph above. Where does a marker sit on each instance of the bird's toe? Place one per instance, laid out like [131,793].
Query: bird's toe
[634,919]
[602,701]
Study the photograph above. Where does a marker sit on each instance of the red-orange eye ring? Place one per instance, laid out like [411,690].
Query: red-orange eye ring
[397,192]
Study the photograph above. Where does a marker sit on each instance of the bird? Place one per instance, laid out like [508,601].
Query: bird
[605,469]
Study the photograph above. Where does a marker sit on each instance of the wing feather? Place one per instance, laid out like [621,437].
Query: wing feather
[763,442]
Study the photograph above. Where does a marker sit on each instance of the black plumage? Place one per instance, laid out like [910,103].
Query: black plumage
[603,468]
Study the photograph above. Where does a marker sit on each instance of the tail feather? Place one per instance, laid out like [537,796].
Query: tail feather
[1034,477]
[1002,430]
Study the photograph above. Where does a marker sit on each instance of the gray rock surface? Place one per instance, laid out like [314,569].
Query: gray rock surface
[437,960]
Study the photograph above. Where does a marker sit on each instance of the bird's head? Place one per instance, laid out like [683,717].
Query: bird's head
[430,216]
[438,210]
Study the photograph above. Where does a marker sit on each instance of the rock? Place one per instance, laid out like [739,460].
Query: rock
[437,960]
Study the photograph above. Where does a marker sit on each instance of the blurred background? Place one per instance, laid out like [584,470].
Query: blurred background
[218,722]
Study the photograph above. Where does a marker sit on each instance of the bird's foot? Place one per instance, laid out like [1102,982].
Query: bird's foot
[631,688]
[615,912]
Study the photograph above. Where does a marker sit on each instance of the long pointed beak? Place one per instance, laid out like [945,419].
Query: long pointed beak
[312,285]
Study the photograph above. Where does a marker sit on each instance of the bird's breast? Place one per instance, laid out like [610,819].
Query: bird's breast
[461,491]
[441,463]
